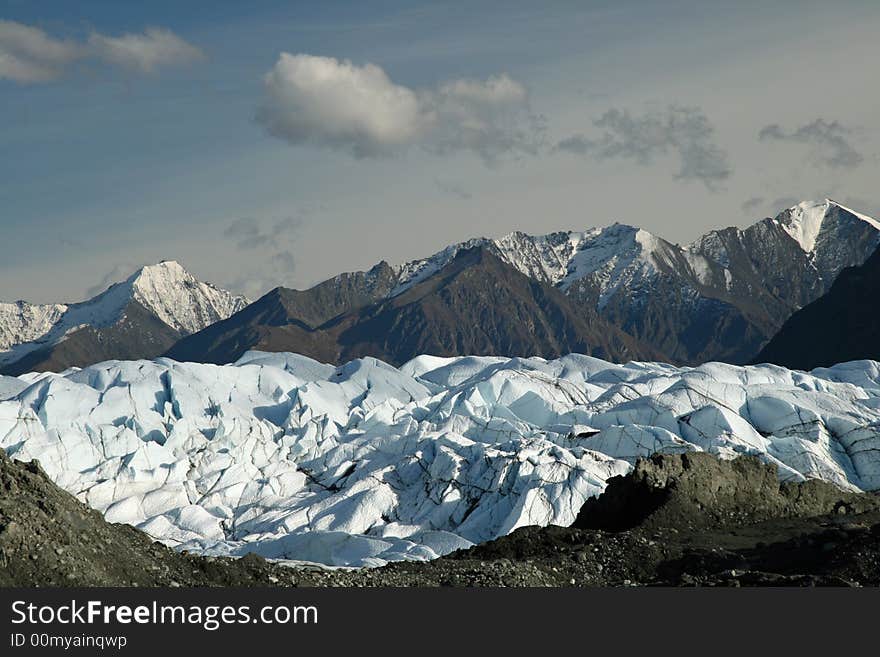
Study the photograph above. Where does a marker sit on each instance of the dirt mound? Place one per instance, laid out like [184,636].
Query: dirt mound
[697,489]
[48,538]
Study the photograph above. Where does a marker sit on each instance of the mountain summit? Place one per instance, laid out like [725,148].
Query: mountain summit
[806,222]
[179,299]
[474,304]
[721,297]
[137,318]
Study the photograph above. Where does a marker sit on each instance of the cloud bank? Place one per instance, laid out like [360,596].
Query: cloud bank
[30,55]
[145,53]
[274,243]
[683,131]
[338,105]
[828,140]
[248,233]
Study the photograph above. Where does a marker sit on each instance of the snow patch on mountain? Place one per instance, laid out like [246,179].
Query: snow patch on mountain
[167,290]
[23,322]
[613,256]
[622,257]
[804,221]
[365,463]
[414,272]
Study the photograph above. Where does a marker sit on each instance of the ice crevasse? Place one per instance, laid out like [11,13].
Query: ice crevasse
[365,463]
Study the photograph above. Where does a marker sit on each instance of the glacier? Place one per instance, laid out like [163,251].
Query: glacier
[363,464]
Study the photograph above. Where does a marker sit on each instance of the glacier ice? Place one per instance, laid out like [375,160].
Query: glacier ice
[366,463]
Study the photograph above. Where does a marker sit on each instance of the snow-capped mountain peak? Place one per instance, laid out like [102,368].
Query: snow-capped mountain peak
[179,299]
[805,221]
[614,245]
[559,258]
[415,271]
[690,297]
[166,290]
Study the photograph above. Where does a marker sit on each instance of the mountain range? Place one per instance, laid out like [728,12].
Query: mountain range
[616,292]
[720,298]
[141,317]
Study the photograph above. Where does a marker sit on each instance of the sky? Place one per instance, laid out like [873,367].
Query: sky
[280,143]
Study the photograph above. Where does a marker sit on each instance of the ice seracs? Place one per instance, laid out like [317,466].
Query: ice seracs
[365,463]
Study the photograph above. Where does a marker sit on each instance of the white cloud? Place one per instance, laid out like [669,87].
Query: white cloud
[320,100]
[145,53]
[30,55]
[336,104]
[490,118]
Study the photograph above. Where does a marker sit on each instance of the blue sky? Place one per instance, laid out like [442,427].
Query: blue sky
[449,120]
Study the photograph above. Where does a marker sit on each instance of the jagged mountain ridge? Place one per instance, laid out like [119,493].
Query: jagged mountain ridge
[721,297]
[137,318]
[474,304]
[340,294]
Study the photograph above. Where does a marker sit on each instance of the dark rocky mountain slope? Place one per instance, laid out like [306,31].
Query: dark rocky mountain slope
[476,305]
[840,326]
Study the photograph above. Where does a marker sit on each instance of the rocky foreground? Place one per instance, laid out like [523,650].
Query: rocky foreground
[680,520]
